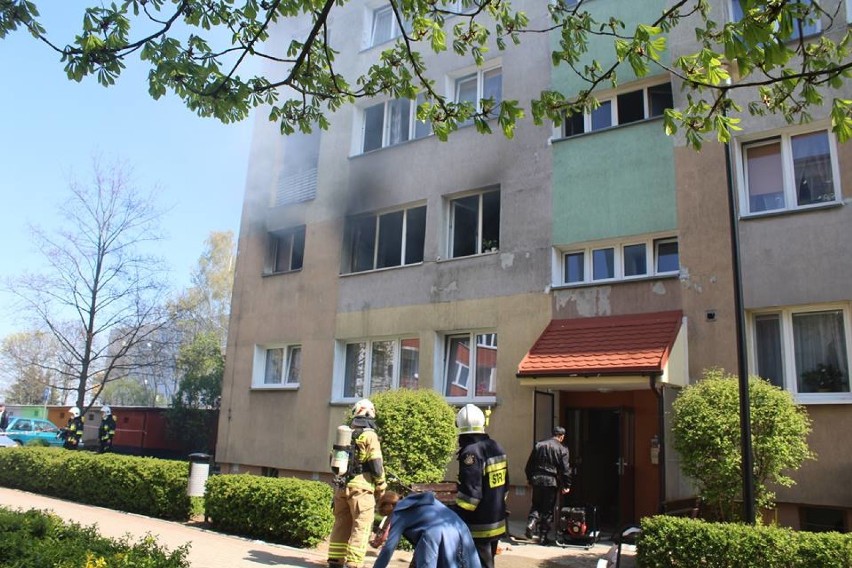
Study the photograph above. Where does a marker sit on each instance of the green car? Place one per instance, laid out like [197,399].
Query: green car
[24,430]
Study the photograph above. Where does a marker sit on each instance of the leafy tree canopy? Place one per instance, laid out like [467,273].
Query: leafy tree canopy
[706,432]
[198,49]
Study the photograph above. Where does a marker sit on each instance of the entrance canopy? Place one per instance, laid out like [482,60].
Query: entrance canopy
[608,353]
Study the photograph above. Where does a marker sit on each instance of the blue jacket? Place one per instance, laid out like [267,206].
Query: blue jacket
[440,537]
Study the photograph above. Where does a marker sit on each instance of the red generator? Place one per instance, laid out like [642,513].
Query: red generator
[578,526]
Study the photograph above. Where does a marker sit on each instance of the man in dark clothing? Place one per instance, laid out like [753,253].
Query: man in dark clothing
[547,471]
[4,417]
[483,483]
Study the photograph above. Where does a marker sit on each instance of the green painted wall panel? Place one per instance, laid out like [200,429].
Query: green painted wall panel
[602,48]
[613,183]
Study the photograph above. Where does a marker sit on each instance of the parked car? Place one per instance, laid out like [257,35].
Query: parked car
[6,441]
[24,430]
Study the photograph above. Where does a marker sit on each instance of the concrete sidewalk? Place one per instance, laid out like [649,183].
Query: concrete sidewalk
[210,549]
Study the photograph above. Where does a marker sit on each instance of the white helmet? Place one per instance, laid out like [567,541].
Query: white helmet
[106,410]
[470,419]
[364,408]
[74,412]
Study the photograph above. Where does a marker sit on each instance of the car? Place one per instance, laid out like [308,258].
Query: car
[6,441]
[29,431]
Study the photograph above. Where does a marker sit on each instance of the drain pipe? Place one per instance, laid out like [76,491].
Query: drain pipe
[661,427]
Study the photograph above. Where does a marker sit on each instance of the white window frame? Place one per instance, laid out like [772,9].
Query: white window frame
[451,222]
[788,354]
[403,239]
[413,124]
[810,30]
[479,74]
[275,242]
[651,245]
[339,380]
[287,382]
[395,30]
[444,350]
[612,101]
[788,174]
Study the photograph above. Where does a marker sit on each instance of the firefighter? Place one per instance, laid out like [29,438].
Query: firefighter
[357,491]
[106,431]
[483,483]
[72,434]
[548,471]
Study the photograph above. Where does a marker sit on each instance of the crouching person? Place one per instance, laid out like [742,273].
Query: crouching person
[440,538]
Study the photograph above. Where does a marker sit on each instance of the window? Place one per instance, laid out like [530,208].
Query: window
[804,350]
[462,6]
[393,122]
[276,367]
[384,240]
[789,172]
[286,250]
[808,27]
[470,371]
[624,108]
[378,365]
[484,84]
[385,26]
[621,261]
[474,224]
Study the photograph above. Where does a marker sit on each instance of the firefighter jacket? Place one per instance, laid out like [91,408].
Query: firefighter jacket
[73,433]
[548,465]
[368,472]
[482,486]
[106,431]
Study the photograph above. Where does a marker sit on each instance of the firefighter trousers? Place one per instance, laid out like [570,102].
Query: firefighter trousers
[354,509]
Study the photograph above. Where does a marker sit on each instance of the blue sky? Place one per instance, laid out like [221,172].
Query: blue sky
[52,127]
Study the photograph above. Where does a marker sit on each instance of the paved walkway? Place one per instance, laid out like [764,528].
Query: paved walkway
[210,549]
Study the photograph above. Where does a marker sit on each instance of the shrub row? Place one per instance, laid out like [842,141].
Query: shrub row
[147,486]
[283,510]
[35,538]
[679,542]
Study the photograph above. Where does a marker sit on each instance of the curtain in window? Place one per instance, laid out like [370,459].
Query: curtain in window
[355,366]
[294,366]
[765,177]
[819,341]
[400,113]
[274,366]
[381,373]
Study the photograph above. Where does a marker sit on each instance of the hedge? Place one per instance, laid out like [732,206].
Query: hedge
[283,510]
[147,486]
[679,542]
[35,538]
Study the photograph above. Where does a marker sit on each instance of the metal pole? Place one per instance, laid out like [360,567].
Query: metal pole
[742,363]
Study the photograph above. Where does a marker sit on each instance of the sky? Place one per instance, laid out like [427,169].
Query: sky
[52,127]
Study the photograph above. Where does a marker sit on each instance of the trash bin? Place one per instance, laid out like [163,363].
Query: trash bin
[199,470]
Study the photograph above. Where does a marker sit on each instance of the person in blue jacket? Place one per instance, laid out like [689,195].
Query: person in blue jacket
[440,538]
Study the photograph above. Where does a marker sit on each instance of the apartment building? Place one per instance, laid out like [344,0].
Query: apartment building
[578,275]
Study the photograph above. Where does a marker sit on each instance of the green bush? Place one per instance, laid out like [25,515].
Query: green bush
[35,538]
[668,542]
[146,486]
[418,434]
[706,432]
[283,510]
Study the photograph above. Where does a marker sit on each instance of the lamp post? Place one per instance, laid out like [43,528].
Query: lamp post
[747,465]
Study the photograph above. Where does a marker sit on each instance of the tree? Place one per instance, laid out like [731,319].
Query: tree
[418,433]
[201,365]
[206,306]
[100,297]
[126,391]
[183,43]
[27,363]
[706,432]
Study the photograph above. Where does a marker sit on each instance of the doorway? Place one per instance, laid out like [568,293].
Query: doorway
[601,444]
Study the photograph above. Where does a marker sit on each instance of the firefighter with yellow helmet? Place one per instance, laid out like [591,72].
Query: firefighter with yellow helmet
[483,483]
[359,482]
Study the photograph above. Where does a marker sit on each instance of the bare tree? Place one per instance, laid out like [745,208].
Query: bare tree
[27,359]
[100,296]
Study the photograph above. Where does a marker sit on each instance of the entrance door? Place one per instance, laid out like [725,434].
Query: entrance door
[600,441]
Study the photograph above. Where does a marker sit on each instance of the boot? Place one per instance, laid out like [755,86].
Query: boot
[530,528]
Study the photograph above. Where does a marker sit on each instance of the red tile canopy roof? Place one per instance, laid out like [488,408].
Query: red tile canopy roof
[613,345]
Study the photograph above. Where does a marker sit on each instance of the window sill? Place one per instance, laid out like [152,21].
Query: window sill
[477,400]
[814,399]
[266,274]
[797,210]
[478,255]
[615,281]
[274,387]
[375,270]
[560,138]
